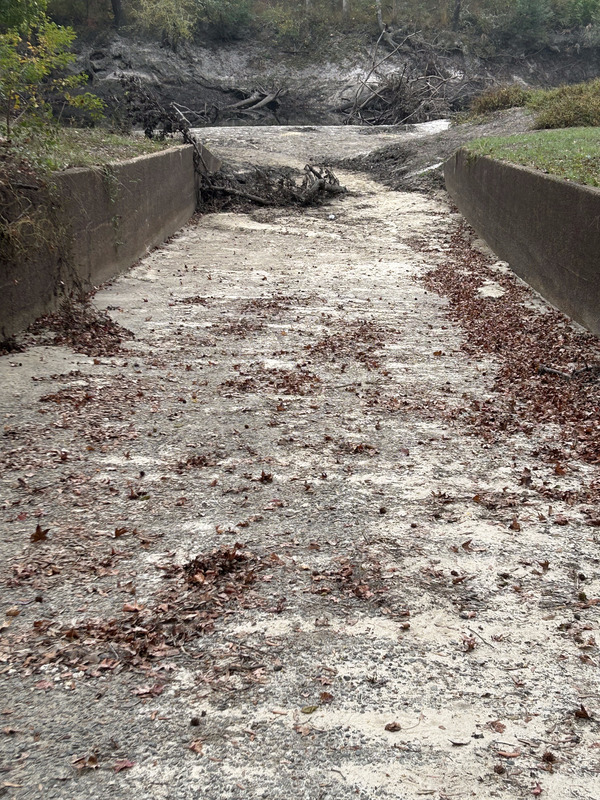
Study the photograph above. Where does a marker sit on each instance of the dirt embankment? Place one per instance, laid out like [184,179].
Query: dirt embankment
[417,164]
[314,86]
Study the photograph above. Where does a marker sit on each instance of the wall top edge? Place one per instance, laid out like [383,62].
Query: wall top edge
[538,173]
[125,162]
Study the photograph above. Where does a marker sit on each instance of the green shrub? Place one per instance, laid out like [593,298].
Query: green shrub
[32,64]
[576,106]
[574,13]
[169,20]
[177,20]
[290,27]
[361,18]
[511,96]
[531,19]
[224,20]
[20,13]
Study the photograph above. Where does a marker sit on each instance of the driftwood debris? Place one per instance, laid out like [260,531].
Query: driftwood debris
[141,106]
[389,95]
[259,100]
[138,106]
[269,187]
[591,371]
[318,181]
[219,186]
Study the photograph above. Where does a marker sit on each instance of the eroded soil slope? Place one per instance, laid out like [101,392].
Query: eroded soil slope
[280,544]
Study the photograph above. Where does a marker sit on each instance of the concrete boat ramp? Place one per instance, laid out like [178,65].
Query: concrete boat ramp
[264,552]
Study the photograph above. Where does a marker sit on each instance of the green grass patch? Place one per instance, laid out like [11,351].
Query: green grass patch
[92,146]
[572,153]
[82,147]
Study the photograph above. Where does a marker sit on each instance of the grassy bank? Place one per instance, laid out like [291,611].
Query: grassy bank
[572,106]
[572,153]
[29,227]
[93,146]
[80,147]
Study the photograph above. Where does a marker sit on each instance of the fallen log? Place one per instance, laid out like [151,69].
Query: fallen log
[257,100]
[265,101]
[253,198]
[254,98]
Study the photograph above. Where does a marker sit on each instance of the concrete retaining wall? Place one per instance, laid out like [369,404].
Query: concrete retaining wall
[113,216]
[546,228]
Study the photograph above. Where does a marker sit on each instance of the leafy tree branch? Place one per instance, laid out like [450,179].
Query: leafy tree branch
[33,58]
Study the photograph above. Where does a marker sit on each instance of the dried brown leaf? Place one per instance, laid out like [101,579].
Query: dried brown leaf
[40,535]
[393,727]
[582,713]
[123,763]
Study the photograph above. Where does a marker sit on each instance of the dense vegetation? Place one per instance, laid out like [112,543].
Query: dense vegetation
[35,53]
[36,37]
[486,25]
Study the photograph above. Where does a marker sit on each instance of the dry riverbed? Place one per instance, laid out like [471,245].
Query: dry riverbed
[297,538]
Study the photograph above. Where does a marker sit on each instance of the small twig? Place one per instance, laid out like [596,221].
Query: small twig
[542,369]
[481,637]
[374,93]
[587,368]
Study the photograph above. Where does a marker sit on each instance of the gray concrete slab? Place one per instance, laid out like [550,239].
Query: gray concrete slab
[294,388]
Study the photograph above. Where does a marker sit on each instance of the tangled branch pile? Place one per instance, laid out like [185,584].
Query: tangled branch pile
[140,107]
[270,186]
[399,99]
[410,94]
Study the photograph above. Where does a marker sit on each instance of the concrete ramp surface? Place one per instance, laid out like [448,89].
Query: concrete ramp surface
[297,538]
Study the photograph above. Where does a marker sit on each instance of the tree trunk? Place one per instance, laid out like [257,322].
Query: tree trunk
[456,15]
[8,116]
[379,15]
[346,7]
[117,7]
